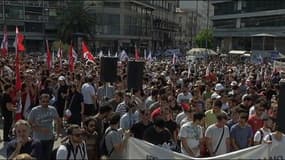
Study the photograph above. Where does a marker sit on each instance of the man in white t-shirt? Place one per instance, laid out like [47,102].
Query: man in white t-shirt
[218,136]
[264,131]
[89,97]
[185,96]
[191,134]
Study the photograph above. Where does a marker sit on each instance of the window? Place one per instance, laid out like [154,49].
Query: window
[229,23]
[266,21]
[14,12]
[34,27]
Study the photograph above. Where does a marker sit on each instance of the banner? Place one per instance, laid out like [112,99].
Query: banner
[279,66]
[138,149]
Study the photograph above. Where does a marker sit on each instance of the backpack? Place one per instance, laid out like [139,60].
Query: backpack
[261,136]
[68,148]
[103,151]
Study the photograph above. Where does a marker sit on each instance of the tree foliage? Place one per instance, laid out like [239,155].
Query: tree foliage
[74,18]
[205,39]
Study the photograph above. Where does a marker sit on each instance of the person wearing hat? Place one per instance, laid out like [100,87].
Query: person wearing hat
[264,131]
[219,88]
[245,104]
[189,111]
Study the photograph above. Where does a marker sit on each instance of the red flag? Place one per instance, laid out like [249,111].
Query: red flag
[19,41]
[86,53]
[4,44]
[72,58]
[137,54]
[59,55]
[48,56]
[17,71]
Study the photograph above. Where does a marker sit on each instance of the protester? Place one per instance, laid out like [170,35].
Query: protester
[138,129]
[91,138]
[191,134]
[218,136]
[113,139]
[41,119]
[75,147]
[241,133]
[23,143]
[89,96]
[263,131]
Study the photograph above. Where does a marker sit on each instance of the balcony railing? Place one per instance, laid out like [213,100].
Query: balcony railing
[36,18]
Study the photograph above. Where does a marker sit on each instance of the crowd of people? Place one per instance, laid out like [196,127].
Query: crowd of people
[200,109]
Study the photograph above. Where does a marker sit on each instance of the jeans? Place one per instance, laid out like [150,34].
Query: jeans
[47,146]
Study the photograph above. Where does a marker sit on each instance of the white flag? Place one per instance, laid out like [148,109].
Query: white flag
[109,53]
[100,54]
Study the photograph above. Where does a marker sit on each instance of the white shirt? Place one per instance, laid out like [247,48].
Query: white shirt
[193,134]
[181,97]
[79,153]
[88,91]
[180,117]
[128,120]
[257,135]
[215,133]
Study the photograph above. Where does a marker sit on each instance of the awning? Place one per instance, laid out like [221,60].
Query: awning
[237,52]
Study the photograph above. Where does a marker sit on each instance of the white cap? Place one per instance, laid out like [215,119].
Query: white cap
[234,83]
[215,96]
[61,78]
[219,87]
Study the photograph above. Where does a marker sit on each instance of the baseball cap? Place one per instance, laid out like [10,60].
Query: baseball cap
[219,87]
[61,78]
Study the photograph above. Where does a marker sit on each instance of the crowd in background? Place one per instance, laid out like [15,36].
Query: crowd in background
[202,108]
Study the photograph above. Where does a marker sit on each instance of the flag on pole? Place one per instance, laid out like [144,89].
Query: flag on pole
[137,54]
[208,69]
[49,61]
[72,58]
[87,54]
[124,56]
[144,53]
[59,55]
[109,53]
[116,54]
[18,43]
[189,70]
[4,44]
[149,57]
[174,58]
[17,72]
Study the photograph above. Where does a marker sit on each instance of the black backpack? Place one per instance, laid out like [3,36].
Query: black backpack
[103,151]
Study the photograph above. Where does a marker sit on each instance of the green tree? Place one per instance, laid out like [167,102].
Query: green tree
[205,39]
[75,18]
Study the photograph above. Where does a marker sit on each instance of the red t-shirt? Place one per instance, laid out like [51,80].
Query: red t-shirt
[256,123]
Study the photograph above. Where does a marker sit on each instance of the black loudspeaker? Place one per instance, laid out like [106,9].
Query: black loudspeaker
[108,69]
[135,74]
[281,107]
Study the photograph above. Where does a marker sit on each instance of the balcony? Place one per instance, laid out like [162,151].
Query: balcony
[14,3]
[37,18]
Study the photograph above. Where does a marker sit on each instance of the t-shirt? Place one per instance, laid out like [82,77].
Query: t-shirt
[128,120]
[104,91]
[157,138]
[211,117]
[241,135]
[138,129]
[111,139]
[258,135]
[32,147]
[180,117]
[88,91]
[256,123]
[79,152]
[43,117]
[184,98]
[215,133]
[193,134]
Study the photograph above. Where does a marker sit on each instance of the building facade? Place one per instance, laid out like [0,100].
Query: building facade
[249,25]
[196,17]
[148,24]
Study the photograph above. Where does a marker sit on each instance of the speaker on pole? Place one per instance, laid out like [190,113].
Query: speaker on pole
[135,74]
[281,109]
[108,69]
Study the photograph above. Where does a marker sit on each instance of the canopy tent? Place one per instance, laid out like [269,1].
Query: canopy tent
[201,52]
[238,52]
